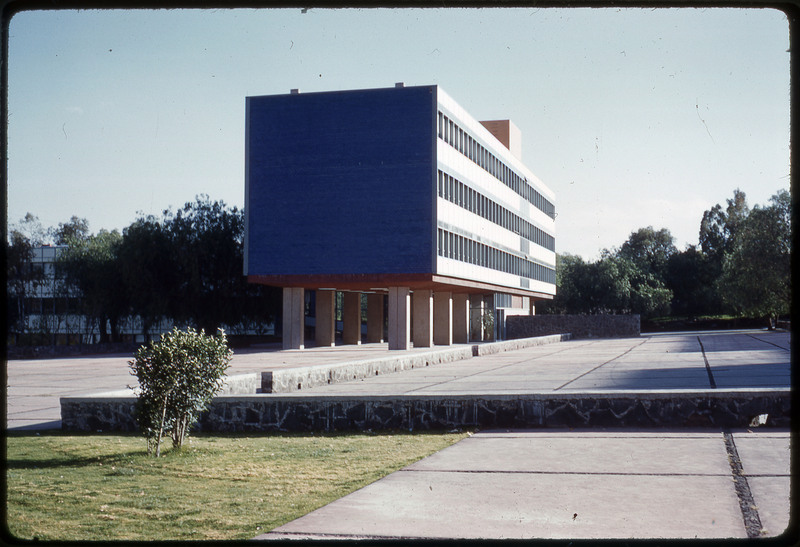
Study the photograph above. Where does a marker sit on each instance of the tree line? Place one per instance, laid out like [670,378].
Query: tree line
[741,266]
[184,267]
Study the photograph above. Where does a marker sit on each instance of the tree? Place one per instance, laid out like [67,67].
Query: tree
[649,250]
[91,265]
[21,279]
[568,296]
[718,228]
[149,273]
[612,284]
[207,238]
[67,233]
[756,274]
[646,293]
[178,376]
[30,228]
[691,277]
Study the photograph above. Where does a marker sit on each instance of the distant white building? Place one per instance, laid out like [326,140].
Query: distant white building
[49,309]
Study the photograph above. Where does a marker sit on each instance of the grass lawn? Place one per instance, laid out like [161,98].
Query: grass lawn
[105,487]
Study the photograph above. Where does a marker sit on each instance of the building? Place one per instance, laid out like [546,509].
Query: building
[397,193]
[44,309]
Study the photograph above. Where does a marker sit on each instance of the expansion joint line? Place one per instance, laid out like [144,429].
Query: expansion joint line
[485,371]
[630,349]
[708,366]
[752,522]
[767,342]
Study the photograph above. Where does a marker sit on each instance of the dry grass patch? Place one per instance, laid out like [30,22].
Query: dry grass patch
[105,487]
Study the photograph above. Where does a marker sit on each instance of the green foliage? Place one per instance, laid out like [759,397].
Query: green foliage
[206,238]
[23,280]
[649,250]
[149,271]
[756,274]
[178,376]
[67,233]
[187,267]
[90,264]
[691,276]
[718,228]
[184,267]
[613,284]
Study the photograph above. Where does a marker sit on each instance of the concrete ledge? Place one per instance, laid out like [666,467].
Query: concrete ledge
[290,412]
[241,383]
[298,378]
[509,345]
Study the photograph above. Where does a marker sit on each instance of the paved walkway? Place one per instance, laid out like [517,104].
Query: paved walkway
[530,484]
[755,359]
[582,484]
[35,386]
[572,484]
[661,361]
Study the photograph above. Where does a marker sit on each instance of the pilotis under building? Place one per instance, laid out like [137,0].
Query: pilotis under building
[394,192]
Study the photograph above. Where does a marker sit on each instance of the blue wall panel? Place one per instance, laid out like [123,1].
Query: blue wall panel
[342,182]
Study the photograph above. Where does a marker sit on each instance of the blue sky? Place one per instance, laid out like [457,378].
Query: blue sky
[632,117]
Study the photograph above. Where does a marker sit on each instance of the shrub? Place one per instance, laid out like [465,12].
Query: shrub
[178,376]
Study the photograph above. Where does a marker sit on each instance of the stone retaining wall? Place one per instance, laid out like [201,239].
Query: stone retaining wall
[580,326]
[299,378]
[290,413]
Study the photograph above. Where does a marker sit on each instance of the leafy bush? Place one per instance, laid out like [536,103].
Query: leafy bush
[178,376]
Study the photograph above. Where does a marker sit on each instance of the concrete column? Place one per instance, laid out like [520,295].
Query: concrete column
[375,318]
[443,318]
[399,318]
[351,318]
[294,323]
[461,318]
[422,316]
[326,318]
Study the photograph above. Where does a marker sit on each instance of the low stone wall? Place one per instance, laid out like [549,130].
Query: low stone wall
[299,378]
[241,384]
[580,326]
[510,345]
[114,411]
[291,413]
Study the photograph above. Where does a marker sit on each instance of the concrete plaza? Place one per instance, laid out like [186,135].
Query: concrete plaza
[671,361]
[543,483]
[561,484]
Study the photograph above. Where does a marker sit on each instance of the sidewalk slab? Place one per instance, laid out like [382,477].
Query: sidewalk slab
[545,484]
[765,458]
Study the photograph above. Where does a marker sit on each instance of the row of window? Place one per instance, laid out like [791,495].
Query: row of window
[467,250]
[462,141]
[457,192]
[58,306]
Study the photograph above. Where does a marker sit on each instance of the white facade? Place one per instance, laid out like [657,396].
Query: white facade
[490,228]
